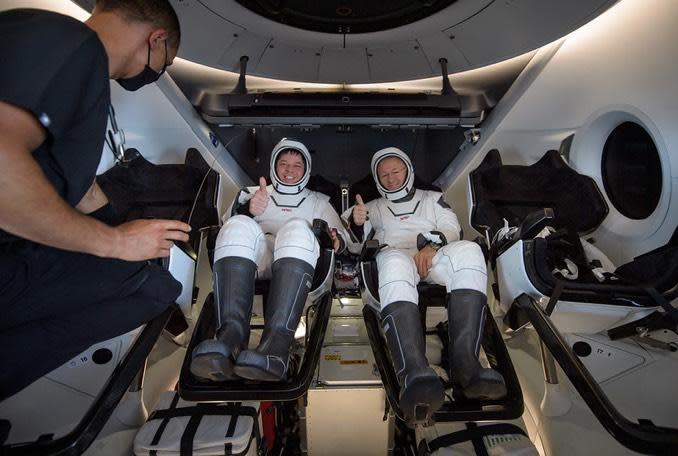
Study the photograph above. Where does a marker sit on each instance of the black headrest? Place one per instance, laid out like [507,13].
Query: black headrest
[512,192]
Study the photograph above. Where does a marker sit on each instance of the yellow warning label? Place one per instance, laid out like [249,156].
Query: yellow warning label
[353,361]
[335,357]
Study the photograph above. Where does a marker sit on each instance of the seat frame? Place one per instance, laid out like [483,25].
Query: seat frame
[508,408]
[194,389]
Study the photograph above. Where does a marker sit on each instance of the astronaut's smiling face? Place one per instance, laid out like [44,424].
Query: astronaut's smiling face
[290,167]
[392,173]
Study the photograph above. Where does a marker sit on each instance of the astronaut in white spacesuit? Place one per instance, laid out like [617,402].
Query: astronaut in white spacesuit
[269,235]
[422,236]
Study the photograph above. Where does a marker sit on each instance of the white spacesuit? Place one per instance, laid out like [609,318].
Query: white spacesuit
[277,244]
[408,220]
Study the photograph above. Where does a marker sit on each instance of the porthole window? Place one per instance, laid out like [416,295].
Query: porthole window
[631,171]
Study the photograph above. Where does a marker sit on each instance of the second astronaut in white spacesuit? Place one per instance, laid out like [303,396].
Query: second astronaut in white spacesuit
[269,236]
[422,235]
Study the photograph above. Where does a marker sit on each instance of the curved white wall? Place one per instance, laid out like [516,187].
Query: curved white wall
[621,66]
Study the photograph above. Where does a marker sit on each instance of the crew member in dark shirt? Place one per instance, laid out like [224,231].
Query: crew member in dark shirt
[67,278]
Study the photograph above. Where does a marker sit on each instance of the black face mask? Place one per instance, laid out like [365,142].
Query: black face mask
[147,75]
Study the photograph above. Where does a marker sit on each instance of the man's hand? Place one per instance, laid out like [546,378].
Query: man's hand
[424,259]
[31,208]
[259,201]
[359,213]
[140,240]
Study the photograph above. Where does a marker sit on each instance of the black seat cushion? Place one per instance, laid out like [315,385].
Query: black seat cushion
[658,268]
[140,189]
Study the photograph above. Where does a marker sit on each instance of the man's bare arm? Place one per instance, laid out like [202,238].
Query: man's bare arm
[31,208]
[94,199]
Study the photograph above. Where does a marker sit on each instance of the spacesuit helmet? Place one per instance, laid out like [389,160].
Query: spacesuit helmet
[286,145]
[407,185]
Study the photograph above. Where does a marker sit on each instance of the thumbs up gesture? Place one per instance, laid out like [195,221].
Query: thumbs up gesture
[359,212]
[259,201]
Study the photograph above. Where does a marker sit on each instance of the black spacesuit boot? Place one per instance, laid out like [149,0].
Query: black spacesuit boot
[421,391]
[213,359]
[290,284]
[466,311]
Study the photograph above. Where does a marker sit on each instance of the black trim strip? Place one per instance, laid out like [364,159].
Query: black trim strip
[288,205]
[442,203]
[233,422]
[476,440]
[206,410]
[405,213]
[163,424]
[474,432]
[371,234]
[186,445]
[555,296]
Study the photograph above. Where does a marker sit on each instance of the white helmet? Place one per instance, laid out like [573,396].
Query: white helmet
[278,184]
[406,188]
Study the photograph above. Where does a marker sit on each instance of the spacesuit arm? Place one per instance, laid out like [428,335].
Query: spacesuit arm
[356,233]
[448,228]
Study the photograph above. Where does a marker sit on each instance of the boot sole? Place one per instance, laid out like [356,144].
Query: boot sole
[250,365]
[255,373]
[212,366]
[484,391]
[430,398]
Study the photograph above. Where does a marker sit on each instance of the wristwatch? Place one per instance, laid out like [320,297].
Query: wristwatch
[434,245]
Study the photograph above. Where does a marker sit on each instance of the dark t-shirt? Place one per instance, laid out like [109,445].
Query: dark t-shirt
[57,68]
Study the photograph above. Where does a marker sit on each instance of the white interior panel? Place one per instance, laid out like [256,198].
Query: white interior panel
[247,44]
[289,62]
[513,26]
[397,62]
[343,65]
[439,45]
[204,35]
[572,89]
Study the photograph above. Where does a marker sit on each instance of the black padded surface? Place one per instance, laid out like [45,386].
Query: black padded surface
[658,267]
[140,189]
[513,191]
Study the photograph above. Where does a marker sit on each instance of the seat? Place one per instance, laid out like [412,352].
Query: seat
[317,311]
[432,296]
[543,204]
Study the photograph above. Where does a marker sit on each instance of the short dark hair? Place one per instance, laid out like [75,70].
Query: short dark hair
[157,12]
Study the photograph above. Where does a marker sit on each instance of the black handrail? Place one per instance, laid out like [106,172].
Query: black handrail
[193,389]
[82,436]
[643,437]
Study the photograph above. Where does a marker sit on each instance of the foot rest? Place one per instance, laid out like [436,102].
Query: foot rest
[507,408]
[192,388]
